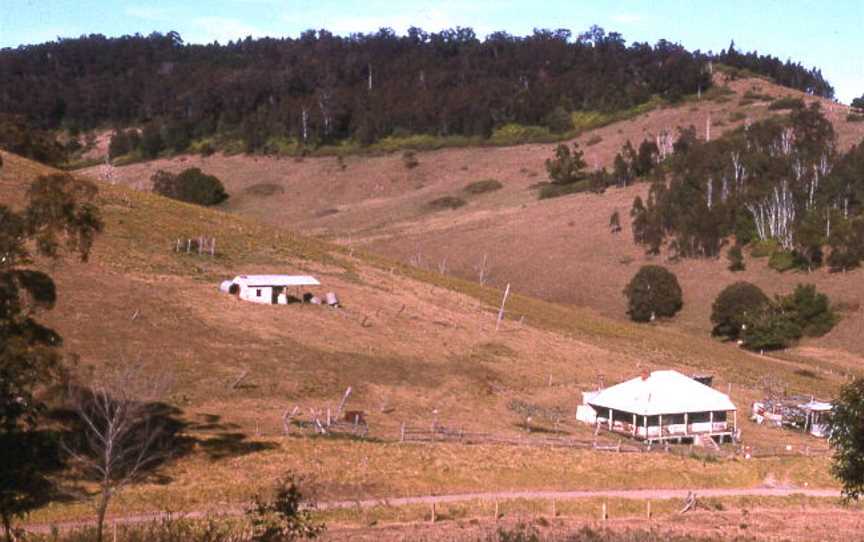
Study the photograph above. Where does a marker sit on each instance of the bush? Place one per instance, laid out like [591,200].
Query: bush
[446,202]
[653,292]
[770,328]
[566,167]
[192,186]
[778,324]
[787,103]
[733,304]
[854,117]
[782,260]
[763,249]
[593,140]
[481,187]
[559,121]
[551,190]
[409,159]
[811,309]
[736,259]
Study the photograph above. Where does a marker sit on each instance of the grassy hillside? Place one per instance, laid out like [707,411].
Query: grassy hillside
[416,346]
[560,250]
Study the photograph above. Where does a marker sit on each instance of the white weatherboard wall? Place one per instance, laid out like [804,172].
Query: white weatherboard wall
[260,288]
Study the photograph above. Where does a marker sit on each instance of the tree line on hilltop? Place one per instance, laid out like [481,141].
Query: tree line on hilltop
[321,88]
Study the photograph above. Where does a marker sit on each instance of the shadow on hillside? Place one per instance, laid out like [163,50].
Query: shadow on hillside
[169,435]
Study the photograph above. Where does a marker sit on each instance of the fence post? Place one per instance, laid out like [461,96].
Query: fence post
[554,509]
[497,511]
[604,514]
[648,510]
[402,433]
[433,512]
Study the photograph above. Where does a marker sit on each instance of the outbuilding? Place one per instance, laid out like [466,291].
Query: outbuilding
[268,289]
[661,406]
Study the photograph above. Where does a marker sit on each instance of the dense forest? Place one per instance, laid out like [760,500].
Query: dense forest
[780,184]
[321,88]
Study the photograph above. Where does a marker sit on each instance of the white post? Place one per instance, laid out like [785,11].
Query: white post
[686,424]
[610,419]
[501,310]
[661,427]
[711,418]
[634,425]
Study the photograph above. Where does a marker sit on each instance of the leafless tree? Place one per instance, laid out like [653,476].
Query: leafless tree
[122,431]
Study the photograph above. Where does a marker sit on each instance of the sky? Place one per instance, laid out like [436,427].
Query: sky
[825,34]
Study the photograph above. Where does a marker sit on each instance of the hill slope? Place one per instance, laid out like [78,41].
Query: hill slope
[414,345]
[559,250]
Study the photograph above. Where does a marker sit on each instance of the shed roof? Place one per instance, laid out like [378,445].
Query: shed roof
[277,280]
[662,392]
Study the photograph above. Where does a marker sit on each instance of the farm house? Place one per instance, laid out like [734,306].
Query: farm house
[268,289]
[661,406]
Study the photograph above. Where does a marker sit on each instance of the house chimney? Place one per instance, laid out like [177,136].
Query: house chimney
[645,374]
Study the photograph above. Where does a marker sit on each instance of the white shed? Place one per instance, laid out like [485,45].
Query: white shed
[268,289]
[663,405]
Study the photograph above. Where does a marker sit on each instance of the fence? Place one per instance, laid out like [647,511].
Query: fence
[439,433]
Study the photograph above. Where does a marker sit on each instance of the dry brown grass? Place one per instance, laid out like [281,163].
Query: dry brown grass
[414,344]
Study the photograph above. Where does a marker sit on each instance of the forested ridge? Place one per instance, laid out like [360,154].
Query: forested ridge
[321,88]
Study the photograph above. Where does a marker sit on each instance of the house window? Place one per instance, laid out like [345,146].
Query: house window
[258,292]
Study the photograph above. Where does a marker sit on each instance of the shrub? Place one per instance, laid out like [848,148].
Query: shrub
[847,438]
[653,292]
[854,117]
[481,187]
[812,310]
[787,102]
[769,328]
[409,159]
[559,121]
[566,167]
[119,144]
[763,249]
[284,517]
[192,186]
[731,307]
[736,259]
[782,260]
[551,190]
[446,202]
[593,140]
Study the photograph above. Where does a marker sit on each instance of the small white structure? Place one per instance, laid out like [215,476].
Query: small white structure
[267,289]
[816,422]
[661,406]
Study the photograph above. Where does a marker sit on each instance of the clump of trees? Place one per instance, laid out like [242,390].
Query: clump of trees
[733,306]
[566,171]
[782,180]
[743,312]
[191,185]
[19,137]
[652,293]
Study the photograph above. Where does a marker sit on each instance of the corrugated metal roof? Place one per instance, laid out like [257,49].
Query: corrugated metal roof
[276,280]
[663,392]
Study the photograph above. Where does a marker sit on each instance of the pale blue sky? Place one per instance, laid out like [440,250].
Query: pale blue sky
[826,34]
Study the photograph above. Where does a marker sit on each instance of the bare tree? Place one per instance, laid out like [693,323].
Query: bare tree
[122,430]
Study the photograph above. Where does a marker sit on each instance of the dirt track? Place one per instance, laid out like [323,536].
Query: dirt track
[638,494]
